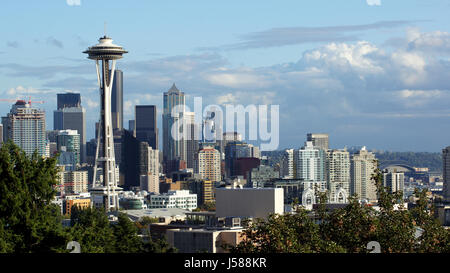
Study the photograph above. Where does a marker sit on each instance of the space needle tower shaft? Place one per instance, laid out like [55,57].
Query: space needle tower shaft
[104,190]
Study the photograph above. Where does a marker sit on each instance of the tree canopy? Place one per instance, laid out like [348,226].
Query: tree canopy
[29,222]
[350,229]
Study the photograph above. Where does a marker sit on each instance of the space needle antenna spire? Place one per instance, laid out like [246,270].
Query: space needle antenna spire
[104,190]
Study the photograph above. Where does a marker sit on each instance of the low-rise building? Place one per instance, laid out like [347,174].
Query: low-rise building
[248,202]
[80,200]
[173,199]
[163,216]
[203,240]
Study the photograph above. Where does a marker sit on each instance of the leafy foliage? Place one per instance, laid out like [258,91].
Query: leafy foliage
[29,222]
[350,229]
[209,206]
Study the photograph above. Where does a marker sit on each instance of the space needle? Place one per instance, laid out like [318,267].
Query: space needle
[104,190]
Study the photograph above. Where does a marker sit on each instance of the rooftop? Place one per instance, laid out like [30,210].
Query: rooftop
[156,213]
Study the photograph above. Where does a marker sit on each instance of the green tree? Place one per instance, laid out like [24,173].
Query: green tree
[91,228]
[433,237]
[395,225]
[29,222]
[208,206]
[126,236]
[350,229]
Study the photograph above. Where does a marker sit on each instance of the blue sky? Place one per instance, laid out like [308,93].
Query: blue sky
[372,73]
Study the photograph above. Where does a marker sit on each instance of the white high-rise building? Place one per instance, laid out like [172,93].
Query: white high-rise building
[310,163]
[362,168]
[338,175]
[287,165]
[153,161]
[25,126]
[394,181]
[208,164]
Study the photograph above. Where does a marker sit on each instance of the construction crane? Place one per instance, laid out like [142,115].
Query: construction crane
[29,101]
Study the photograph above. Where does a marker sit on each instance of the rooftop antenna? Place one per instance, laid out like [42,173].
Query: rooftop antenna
[105,28]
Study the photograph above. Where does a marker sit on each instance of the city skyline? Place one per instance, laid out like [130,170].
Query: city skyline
[364,74]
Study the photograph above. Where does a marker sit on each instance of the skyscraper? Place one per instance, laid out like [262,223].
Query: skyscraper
[287,165]
[446,170]
[310,163]
[117,101]
[208,164]
[132,126]
[146,127]
[70,115]
[233,151]
[228,137]
[394,181]
[1,135]
[70,139]
[362,168]
[25,126]
[68,100]
[338,175]
[190,142]
[318,140]
[172,146]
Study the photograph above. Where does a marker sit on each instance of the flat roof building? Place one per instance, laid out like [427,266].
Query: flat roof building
[249,202]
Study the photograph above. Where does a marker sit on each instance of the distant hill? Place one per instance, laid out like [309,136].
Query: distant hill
[433,161]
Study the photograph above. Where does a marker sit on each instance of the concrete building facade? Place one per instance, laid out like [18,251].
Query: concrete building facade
[208,164]
[25,126]
[338,175]
[362,168]
[174,199]
[248,202]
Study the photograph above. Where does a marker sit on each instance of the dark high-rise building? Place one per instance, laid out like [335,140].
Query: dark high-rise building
[71,116]
[233,151]
[1,134]
[117,100]
[68,100]
[145,125]
[5,121]
[131,125]
[133,158]
[446,173]
[173,146]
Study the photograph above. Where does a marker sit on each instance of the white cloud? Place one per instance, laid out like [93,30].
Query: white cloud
[21,91]
[409,67]
[343,56]
[73,2]
[406,94]
[373,2]
[237,79]
[417,98]
[226,99]
[90,103]
[430,42]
